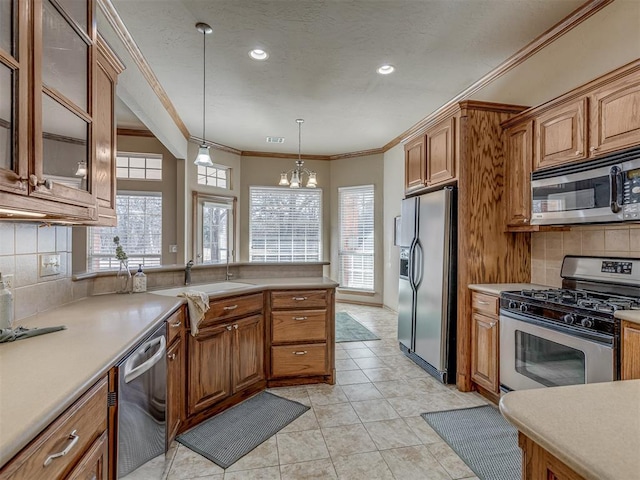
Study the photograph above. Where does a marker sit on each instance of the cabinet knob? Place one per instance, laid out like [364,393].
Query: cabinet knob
[235,326]
[304,352]
[172,356]
[229,327]
[578,153]
[492,324]
[593,149]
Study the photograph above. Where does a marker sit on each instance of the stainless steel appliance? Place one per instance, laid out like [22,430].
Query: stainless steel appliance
[568,335]
[426,304]
[142,394]
[603,190]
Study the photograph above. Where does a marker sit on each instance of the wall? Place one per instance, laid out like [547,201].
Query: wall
[265,171]
[549,248]
[393,192]
[349,172]
[20,244]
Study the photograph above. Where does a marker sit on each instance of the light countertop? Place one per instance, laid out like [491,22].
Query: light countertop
[498,288]
[40,377]
[594,429]
[629,315]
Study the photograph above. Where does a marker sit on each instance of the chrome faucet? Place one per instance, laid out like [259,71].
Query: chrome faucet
[187,272]
[229,275]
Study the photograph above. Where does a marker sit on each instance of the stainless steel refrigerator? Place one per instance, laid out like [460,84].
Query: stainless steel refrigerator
[427,290]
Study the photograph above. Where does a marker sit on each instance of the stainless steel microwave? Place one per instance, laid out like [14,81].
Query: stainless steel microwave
[597,191]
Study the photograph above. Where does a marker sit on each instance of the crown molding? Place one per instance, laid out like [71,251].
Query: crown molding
[294,156]
[135,132]
[217,146]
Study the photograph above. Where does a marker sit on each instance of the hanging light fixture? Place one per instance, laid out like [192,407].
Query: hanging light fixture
[204,159]
[82,169]
[294,177]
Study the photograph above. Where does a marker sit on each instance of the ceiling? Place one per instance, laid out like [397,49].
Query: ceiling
[322,63]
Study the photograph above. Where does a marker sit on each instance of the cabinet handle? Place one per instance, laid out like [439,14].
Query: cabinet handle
[172,356]
[74,439]
[593,149]
[492,324]
[235,326]
[33,180]
[300,318]
[482,302]
[578,153]
[304,352]
[176,324]
[229,327]
[230,307]
[299,299]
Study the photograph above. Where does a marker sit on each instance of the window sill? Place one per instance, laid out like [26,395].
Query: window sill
[355,291]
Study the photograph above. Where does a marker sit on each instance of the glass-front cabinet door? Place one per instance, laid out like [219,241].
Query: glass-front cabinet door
[63,103]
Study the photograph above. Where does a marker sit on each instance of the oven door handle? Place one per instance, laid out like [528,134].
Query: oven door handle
[615,179]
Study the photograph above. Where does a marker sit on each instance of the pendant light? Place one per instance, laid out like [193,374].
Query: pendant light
[294,178]
[204,159]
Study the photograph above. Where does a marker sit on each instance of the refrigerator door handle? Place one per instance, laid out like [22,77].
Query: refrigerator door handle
[412,267]
[418,257]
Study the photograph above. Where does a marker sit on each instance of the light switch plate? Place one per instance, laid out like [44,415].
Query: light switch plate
[49,264]
[173,248]
[8,280]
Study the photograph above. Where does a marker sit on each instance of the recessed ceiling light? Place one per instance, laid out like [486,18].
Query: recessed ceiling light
[386,69]
[258,54]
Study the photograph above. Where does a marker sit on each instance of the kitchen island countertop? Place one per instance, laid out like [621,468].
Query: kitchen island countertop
[594,429]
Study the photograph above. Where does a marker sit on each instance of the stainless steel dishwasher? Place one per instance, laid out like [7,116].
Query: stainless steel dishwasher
[142,400]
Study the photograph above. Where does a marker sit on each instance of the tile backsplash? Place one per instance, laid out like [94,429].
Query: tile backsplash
[549,248]
[20,247]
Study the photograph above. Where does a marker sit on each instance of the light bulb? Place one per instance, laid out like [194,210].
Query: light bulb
[312,182]
[283,180]
[203,159]
[82,169]
[295,180]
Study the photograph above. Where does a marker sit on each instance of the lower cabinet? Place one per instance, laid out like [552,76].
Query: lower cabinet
[175,389]
[539,464]
[73,446]
[485,328]
[630,357]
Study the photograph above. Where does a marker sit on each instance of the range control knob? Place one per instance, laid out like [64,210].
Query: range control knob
[569,318]
[524,308]
[587,322]
[513,304]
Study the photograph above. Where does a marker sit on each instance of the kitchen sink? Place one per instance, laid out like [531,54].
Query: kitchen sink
[209,288]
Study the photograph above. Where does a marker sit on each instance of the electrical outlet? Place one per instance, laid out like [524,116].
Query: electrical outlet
[8,280]
[173,248]
[49,264]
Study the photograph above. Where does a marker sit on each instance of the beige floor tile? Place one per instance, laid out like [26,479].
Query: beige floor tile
[301,446]
[336,415]
[341,354]
[374,410]
[154,469]
[361,391]
[423,430]
[327,395]
[396,388]
[346,364]
[347,440]
[297,394]
[362,466]
[313,470]
[385,374]
[361,353]
[264,455]
[409,406]
[351,345]
[269,473]
[385,351]
[392,434]
[451,462]
[370,362]
[306,421]
[188,464]
[349,377]
[414,463]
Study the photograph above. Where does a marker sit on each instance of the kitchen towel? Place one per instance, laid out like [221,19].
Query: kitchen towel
[13,334]
[198,304]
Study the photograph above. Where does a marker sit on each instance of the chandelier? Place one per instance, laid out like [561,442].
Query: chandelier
[294,178]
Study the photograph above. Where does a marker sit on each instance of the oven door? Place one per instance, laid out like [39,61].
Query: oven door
[535,353]
[570,195]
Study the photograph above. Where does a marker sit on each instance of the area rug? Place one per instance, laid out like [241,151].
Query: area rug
[348,329]
[230,435]
[484,440]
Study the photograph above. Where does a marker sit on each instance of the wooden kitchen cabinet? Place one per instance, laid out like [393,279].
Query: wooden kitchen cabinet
[519,148]
[485,341]
[176,373]
[630,351]
[226,358]
[80,432]
[302,337]
[539,464]
[415,165]
[440,152]
[561,135]
[62,116]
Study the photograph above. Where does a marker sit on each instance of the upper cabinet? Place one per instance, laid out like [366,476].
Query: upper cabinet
[415,166]
[518,148]
[58,124]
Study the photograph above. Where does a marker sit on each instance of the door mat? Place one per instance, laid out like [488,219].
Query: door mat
[484,440]
[230,435]
[348,329]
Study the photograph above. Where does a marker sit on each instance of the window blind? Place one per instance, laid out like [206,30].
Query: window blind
[285,224]
[356,246]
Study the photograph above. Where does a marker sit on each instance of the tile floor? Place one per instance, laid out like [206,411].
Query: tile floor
[367,426]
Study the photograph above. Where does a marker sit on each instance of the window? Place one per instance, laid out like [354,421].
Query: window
[216,176]
[139,166]
[140,231]
[213,227]
[355,206]
[285,225]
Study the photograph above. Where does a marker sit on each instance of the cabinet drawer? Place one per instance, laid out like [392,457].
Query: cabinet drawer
[296,360]
[175,324]
[299,299]
[488,304]
[232,308]
[299,326]
[74,431]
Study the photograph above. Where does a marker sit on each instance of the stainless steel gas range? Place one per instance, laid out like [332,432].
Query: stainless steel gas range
[569,335]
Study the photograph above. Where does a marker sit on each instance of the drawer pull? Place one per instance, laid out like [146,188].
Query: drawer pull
[172,356]
[176,325]
[481,302]
[229,327]
[74,439]
[492,324]
[230,307]
[299,299]
[300,318]
[235,326]
[304,352]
